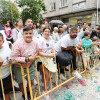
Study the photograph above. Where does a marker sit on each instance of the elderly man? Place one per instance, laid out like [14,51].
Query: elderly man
[65,48]
[25,49]
[65,30]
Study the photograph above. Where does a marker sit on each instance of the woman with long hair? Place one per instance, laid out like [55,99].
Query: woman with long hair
[8,31]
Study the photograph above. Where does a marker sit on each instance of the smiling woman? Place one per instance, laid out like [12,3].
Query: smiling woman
[47,54]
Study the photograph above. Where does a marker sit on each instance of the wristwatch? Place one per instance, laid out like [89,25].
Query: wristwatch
[27,59]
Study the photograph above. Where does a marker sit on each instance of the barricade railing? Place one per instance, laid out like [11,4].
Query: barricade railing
[12,81]
[92,60]
[55,82]
[58,83]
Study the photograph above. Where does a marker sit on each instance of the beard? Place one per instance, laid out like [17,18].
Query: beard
[73,37]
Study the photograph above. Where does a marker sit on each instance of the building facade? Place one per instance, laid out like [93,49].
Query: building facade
[72,12]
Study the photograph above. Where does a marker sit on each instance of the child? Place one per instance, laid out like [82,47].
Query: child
[87,44]
[46,50]
[5,52]
[25,49]
[95,47]
[79,48]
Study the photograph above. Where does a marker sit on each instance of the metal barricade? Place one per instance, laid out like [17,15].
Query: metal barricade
[92,58]
[58,83]
[9,65]
[54,84]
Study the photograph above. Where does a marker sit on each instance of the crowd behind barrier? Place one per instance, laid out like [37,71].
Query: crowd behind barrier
[50,57]
[54,83]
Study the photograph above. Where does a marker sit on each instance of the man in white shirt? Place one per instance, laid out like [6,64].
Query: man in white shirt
[65,48]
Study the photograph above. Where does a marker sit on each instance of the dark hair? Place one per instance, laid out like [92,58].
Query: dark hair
[86,34]
[84,22]
[11,24]
[60,30]
[84,28]
[73,28]
[47,28]
[93,33]
[1,36]
[98,28]
[27,28]
[35,24]
[28,19]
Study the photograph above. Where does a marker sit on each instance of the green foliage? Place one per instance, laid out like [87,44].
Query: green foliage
[32,9]
[8,11]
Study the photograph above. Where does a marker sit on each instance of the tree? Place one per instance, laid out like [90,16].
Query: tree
[32,9]
[8,11]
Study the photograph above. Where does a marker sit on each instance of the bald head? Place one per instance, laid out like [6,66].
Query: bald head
[65,27]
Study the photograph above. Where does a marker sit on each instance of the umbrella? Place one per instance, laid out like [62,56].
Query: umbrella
[56,22]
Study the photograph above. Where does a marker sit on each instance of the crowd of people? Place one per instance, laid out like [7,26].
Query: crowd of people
[23,44]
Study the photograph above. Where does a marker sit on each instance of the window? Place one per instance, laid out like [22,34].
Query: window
[63,3]
[52,6]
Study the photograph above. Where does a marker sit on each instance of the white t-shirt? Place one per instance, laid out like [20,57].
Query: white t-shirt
[65,42]
[80,35]
[55,37]
[35,33]
[20,34]
[46,45]
[4,54]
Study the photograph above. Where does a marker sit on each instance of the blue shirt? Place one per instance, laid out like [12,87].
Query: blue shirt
[66,32]
[1,28]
